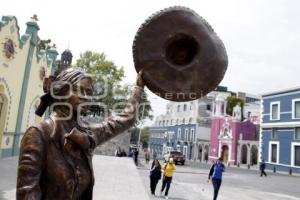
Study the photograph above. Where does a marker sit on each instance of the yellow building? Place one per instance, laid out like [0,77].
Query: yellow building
[22,69]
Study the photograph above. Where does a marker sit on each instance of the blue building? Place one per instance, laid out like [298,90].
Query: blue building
[178,137]
[280,130]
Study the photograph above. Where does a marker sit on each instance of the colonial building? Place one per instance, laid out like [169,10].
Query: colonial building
[280,130]
[186,126]
[232,139]
[23,65]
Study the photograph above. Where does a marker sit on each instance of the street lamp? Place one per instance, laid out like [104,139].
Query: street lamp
[139,140]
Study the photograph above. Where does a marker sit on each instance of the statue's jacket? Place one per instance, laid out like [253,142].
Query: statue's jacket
[47,169]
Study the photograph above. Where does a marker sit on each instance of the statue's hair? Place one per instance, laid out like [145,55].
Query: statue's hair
[59,86]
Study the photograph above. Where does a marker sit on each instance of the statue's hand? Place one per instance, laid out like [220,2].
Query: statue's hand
[139,80]
[79,138]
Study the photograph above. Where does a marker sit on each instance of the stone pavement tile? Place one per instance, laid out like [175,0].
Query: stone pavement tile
[118,179]
[115,178]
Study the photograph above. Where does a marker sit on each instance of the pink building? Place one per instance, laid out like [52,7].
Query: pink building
[234,140]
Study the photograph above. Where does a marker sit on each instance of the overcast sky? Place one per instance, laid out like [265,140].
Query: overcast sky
[262,38]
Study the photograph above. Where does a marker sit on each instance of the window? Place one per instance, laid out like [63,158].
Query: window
[178,108]
[171,122]
[296,109]
[179,134]
[296,155]
[297,133]
[184,107]
[275,110]
[183,121]
[192,134]
[208,107]
[274,152]
[185,150]
[1,104]
[190,120]
[177,121]
[186,134]
[274,134]
[167,123]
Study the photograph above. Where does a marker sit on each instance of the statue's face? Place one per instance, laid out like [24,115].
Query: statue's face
[81,94]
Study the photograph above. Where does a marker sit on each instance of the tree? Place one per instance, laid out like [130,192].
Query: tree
[145,134]
[107,79]
[134,135]
[232,101]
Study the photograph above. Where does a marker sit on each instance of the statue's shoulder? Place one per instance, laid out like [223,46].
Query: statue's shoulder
[45,127]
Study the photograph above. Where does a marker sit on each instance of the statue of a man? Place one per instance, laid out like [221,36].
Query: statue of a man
[237,112]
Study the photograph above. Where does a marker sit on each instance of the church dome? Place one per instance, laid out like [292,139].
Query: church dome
[66,57]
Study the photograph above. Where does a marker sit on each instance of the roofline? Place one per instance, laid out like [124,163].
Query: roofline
[282,91]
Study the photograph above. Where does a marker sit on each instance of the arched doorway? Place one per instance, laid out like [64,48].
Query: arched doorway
[224,153]
[244,154]
[254,155]
[200,150]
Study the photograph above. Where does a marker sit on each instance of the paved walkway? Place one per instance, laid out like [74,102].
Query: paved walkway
[115,178]
[190,183]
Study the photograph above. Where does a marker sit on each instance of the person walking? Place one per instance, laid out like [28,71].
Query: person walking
[155,175]
[154,155]
[216,172]
[136,155]
[168,170]
[147,157]
[262,168]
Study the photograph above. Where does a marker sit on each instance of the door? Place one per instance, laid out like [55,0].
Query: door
[224,153]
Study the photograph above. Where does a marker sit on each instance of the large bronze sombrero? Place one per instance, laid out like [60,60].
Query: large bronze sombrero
[181,56]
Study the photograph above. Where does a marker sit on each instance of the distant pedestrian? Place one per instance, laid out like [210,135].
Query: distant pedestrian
[216,172]
[154,155]
[166,157]
[135,156]
[147,157]
[262,168]
[168,170]
[123,153]
[155,175]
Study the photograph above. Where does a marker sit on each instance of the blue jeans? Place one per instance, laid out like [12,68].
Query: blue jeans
[166,182]
[217,184]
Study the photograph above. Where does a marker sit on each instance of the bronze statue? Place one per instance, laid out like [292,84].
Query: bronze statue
[181,56]
[56,156]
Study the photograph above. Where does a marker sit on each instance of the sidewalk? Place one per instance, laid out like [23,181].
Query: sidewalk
[115,178]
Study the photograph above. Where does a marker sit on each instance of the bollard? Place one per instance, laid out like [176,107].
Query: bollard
[274,169]
[238,165]
[291,171]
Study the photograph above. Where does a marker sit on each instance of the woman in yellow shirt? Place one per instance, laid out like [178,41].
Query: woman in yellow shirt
[168,170]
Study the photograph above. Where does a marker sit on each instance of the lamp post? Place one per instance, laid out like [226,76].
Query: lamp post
[139,140]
